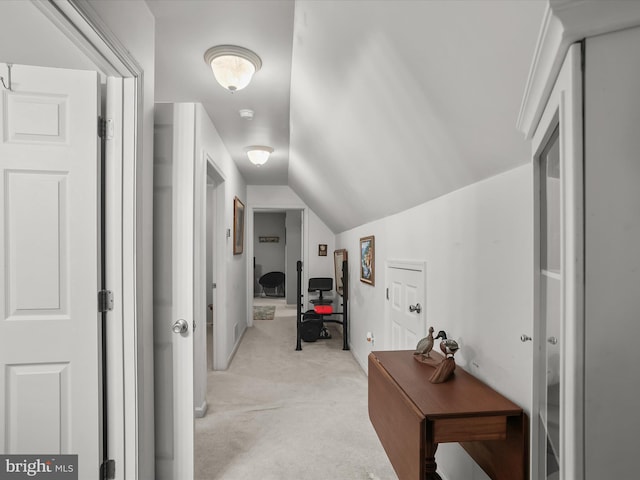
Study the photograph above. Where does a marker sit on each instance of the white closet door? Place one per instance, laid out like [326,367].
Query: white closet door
[50,376]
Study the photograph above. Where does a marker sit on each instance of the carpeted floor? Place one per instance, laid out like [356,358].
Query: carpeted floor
[278,414]
[264,312]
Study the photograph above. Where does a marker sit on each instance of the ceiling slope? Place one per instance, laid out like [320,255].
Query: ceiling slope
[394,103]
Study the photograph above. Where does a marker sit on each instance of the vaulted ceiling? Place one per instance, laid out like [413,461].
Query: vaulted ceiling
[372,107]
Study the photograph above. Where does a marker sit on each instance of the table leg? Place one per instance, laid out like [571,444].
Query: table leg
[430,465]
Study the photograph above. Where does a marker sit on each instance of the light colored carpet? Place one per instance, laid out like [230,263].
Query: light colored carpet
[264,312]
[278,414]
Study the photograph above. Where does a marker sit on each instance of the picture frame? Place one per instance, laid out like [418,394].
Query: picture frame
[368,260]
[322,250]
[238,226]
[269,239]
[339,256]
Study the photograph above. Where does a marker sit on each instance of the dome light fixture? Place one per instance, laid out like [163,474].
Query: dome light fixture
[232,66]
[259,154]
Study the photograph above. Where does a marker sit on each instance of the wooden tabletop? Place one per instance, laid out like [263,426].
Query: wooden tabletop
[462,395]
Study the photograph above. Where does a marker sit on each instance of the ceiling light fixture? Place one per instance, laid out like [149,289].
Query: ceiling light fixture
[259,154]
[232,66]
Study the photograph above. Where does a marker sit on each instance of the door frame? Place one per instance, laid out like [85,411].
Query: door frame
[564,108]
[207,168]
[249,219]
[82,25]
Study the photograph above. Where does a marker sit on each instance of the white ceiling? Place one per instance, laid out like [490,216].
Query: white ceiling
[372,107]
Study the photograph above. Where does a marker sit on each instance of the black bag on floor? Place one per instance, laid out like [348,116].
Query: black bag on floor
[311,326]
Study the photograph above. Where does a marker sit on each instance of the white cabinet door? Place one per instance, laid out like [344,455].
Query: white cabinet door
[50,375]
[406,305]
[558,390]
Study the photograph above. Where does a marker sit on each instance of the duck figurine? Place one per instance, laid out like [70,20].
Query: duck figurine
[448,346]
[425,345]
[445,369]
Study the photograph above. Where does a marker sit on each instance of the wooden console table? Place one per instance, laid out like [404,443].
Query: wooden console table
[412,416]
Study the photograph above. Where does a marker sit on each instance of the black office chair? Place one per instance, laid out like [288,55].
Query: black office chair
[320,285]
[272,284]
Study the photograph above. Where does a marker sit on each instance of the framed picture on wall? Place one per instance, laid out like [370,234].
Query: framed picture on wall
[238,226]
[339,256]
[368,260]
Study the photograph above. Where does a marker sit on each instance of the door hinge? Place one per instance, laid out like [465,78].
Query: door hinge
[102,127]
[105,128]
[108,470]
[105,300]
[387,293]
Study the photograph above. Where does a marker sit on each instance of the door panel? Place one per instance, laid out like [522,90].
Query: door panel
[174,273]
[406,284]
[50,375]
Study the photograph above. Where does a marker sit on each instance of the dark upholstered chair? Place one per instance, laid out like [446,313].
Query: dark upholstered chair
[272,284]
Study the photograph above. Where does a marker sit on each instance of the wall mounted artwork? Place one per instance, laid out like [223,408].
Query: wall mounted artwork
[238,226]
[368,260]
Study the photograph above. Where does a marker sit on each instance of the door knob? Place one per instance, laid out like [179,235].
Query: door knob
[415,308]
[181,326]
[525,338]
[552,340]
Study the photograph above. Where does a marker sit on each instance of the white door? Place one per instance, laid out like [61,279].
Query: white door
[50,375]
[406,304]
[174,290]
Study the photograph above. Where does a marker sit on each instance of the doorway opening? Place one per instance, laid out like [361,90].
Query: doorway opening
[277,246]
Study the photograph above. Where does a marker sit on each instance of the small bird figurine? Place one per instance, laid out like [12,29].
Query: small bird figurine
[449,347]
[425,345]
[444,371]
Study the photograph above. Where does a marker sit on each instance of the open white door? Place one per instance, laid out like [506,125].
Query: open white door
[406,304]
[50,375]
[174,290]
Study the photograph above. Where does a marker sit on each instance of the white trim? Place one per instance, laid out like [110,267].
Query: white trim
[564,23]
[78,20]
[201,410]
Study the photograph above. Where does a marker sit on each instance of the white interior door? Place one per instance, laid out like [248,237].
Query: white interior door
[406,302]
[50,375]
[174,290]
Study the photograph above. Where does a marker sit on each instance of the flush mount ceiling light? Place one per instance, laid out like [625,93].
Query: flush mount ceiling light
[232,66]
[259,154]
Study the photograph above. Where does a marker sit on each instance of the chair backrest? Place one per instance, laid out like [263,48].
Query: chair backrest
[271,279]
[320,284]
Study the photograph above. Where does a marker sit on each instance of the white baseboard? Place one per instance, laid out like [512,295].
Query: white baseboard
[201,410]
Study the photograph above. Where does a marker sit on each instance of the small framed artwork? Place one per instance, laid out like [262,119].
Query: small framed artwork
[322,250]
[269,239]
[368,260]
[238,226]
[339,256]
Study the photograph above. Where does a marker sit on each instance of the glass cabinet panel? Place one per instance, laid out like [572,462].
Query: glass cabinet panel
[550,305]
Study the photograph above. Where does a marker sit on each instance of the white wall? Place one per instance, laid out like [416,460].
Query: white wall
[134,26]
[27,37]
[477,243]
[294,253]
[612,266]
